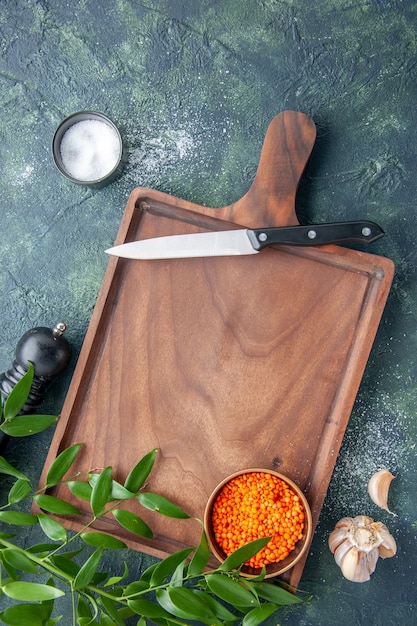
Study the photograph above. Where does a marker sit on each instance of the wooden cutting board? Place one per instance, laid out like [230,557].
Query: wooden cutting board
[223,363]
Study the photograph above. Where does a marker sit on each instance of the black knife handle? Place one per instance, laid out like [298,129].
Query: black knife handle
[316,235]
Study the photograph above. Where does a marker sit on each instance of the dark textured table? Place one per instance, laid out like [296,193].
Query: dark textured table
[192,87]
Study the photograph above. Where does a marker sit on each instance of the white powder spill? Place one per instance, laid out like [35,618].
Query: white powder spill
[158,154]
[23,176]
[89,150]
[173,149]
[374,440]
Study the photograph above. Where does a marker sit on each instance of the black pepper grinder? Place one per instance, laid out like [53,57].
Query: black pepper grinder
[49,352]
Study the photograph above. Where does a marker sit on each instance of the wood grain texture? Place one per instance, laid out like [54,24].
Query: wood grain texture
[224,363]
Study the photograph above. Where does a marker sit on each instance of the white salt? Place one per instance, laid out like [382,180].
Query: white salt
[89,150]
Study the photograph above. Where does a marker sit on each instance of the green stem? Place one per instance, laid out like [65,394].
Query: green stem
[110,596]
[87,526]
[66,578]
[38,561]
[73,607]
[63,482]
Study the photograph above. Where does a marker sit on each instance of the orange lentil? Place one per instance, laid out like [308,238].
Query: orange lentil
[255,505]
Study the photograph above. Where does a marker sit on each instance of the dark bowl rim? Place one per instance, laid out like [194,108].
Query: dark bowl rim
[64,125]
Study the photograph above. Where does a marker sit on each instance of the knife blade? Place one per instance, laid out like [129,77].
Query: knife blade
[246,241]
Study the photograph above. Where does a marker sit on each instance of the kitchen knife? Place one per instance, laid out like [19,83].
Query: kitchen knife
[246,241]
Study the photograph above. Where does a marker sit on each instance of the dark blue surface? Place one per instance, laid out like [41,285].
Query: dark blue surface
[193,87]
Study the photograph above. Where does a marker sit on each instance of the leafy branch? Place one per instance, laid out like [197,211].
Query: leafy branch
[173,591]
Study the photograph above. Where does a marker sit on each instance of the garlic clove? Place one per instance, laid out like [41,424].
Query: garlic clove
[345,522]
[388,547]
[371,560]
[378,487]
[386,552]
[341,551]
[337,536]
[354,566]
[350,563]
[357,566]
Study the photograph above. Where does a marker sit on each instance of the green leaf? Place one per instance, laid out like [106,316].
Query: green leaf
[101,491]
[88,570]
[105,620]
[132,522]
[99,577]
[191,605]
[200,557]
[155,502]
[12,573]
[135,588]
[147,574]
[61,465]
[125,613]
[25,615]
[83,608]
[260,576]
[52,529]
[25,425]
[31,592]
[167,566]
[165,601]
[18,560]
[102,540]
[275,593]
[65,564]
[71,554]
[41,548]
[116,579]
[111,610]
[6,468]
[19,394]
[20,490]
[259,614]
[17,518]
[138,475]
[178,576]
[144,607]
[117,492]
[243,554]
[218,609]
[231,591]
[55,505]
[80,489]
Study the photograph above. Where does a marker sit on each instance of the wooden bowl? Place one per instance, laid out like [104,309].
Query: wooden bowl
[272,569]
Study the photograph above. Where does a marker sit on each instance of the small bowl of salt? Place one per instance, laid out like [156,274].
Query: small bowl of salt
[87,149]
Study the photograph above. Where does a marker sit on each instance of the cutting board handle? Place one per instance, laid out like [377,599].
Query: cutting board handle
[270,200]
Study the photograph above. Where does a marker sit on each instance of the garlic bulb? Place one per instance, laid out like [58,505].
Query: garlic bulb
[378,488]
[357,543]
